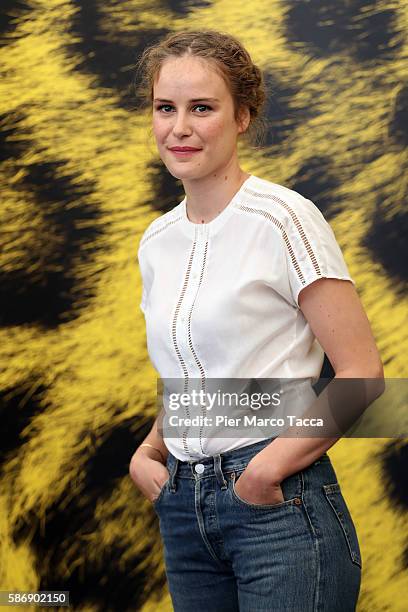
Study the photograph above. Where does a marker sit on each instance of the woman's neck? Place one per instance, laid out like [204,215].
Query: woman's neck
[207,198]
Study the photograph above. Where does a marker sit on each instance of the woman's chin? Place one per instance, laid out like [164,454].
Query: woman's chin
[181,173]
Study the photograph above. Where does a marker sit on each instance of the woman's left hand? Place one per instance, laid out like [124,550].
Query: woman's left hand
[257,486]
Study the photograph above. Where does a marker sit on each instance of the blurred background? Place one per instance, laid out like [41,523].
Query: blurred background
[80,181]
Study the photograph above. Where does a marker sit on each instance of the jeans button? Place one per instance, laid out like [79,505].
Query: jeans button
[199,468]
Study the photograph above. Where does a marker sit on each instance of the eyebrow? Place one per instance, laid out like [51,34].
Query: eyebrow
[193,100]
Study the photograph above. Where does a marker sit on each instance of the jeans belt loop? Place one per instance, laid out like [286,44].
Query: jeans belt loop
[218,472]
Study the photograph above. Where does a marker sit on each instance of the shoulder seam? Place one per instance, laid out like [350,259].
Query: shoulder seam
[154,231]
[266,214]
[276,200]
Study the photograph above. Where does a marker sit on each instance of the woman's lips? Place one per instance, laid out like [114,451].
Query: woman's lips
[184,153]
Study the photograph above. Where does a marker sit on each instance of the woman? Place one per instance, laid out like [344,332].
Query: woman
[243,279]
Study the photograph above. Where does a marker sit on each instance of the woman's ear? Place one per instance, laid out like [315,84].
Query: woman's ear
[244,118]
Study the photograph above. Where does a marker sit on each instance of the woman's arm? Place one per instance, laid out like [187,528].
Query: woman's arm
[338,320]
[154,439]
[147,467]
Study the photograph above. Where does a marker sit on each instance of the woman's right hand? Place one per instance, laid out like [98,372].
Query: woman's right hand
[148,474]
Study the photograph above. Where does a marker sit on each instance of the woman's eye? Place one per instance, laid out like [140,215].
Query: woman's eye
[162,106]
[167,106]
[202,106]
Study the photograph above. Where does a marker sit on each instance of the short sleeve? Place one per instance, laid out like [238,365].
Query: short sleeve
[145,279]
[312,251]
[143,302]
[147,254]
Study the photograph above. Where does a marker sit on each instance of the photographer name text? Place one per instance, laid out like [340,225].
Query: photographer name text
[243,421]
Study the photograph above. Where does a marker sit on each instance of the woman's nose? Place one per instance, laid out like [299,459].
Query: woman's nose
[181,125]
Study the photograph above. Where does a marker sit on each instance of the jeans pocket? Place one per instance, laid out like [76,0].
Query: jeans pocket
[338,504]
[286,503]
[160,495]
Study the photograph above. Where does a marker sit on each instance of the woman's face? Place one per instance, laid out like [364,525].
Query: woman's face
[193,107]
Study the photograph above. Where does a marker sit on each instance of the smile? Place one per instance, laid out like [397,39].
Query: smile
[184,153]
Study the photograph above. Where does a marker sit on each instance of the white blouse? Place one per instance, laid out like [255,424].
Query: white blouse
[220,299]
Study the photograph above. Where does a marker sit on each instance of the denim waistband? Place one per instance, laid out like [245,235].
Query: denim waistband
[217,465]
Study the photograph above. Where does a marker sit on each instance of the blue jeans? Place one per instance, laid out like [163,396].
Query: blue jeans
[223,554]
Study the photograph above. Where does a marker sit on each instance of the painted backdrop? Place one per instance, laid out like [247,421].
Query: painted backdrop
[81,180]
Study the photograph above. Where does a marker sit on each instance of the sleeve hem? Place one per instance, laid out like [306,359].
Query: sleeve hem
[316,278]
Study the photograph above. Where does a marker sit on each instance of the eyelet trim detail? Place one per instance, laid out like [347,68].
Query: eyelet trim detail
[285,237]
[190,343]
[176,347]
[154,232]
[295,221]
[280,226]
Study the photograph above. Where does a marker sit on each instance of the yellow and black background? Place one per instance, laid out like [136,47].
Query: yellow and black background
[81,180]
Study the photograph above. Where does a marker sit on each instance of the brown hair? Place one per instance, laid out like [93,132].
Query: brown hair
[227,55]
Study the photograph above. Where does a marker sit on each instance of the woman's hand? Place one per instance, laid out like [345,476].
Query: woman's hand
[149,475]
[256,485]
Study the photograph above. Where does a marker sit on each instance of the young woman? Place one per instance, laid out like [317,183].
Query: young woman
[243,279]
